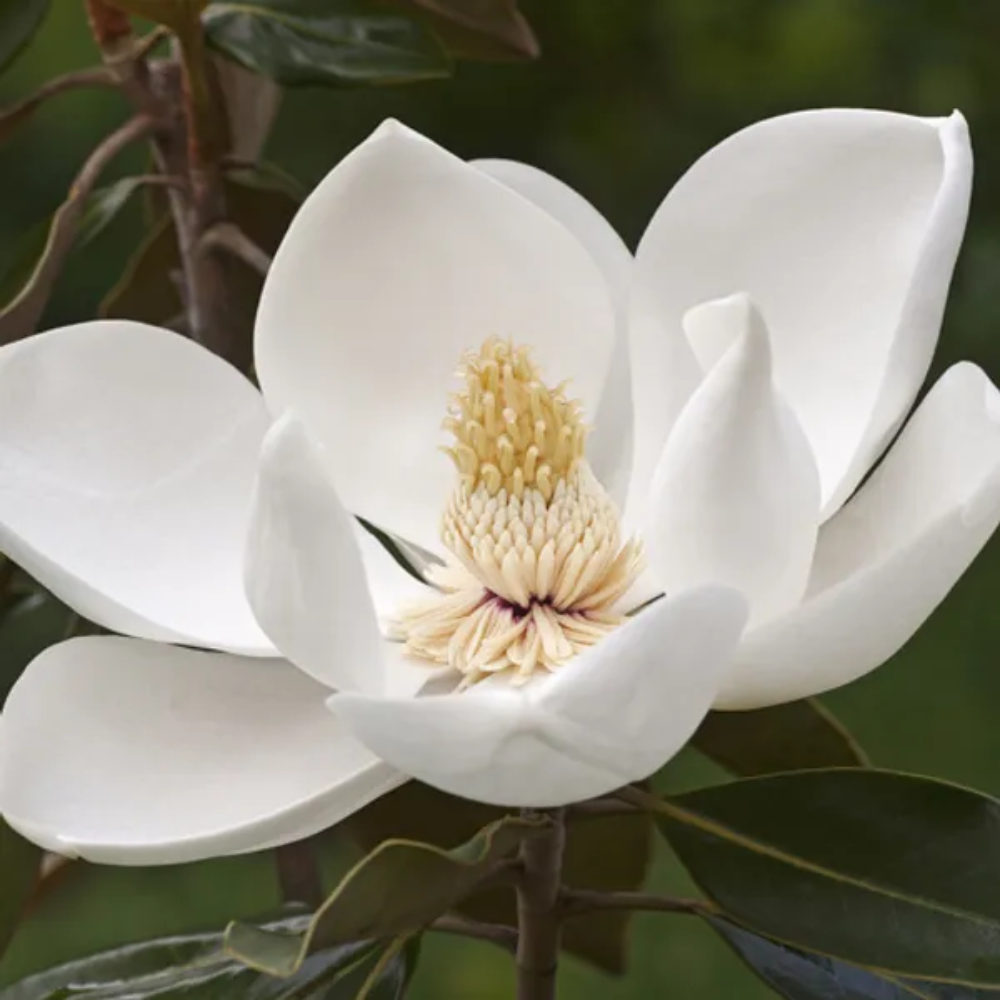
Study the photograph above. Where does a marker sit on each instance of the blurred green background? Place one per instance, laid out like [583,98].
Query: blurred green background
[627,94]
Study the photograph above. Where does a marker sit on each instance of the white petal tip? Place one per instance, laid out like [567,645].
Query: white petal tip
[392,128]
[286,442]
[956,123]
[716,326]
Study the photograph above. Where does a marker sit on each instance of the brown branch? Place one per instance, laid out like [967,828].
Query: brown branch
[229,237]
[144,46]
[160,180]
[11,117]
[580,902]
[108,24]
[537,912]
[498,934]
[21,317]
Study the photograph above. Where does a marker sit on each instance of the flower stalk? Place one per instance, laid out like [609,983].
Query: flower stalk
[299,877]
[538,890]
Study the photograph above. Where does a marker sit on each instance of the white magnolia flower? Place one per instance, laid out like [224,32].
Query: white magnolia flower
[743,374]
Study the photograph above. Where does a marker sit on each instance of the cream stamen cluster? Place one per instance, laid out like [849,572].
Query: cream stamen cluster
[537,564]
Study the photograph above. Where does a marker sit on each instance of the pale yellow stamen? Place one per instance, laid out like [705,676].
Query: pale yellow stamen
[537,564]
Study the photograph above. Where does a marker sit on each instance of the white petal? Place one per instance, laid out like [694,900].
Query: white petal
[127,457]
[844,227]
[609,448]
[403,259]
[891,555]
[612,716]
[304,573]
[127,752]
[735,497]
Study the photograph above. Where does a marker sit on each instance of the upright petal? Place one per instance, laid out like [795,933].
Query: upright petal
[614,715]
[403,259]
[609,448]
[892,553]
[127,752]
[735,497]
[305,573]
[844,227]
[127,457]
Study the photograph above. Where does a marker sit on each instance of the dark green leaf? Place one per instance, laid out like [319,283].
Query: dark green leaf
[611,854]
[29,627]
[325,42]
[19,20]
[266,176]
[196,968]
[890,871]
[178,15]
[101,210]
[794,737]
[398,889]
[19,864]
[478,29]
[384,974]
[803,975]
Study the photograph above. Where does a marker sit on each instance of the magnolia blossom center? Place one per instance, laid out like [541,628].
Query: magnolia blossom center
[536,566]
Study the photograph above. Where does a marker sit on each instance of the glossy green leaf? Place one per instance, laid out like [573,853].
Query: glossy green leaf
[803,975]
[890,871]
[103,207]
[612,854]
[384,974]
[325,42]
[478,29]
[34,624]
[398,889]
[19,866]
[798,736]
[19,21]
[195,967]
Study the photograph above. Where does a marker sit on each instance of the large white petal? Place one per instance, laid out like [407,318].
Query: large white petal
[844,227]
[735,497]
[609,449]
[891,555]
[306,577]
[127,457]
[612,716]
[128,752]
[304,573]
[399,262]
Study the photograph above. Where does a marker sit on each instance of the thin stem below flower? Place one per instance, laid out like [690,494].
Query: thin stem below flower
[537,911]
[299,876]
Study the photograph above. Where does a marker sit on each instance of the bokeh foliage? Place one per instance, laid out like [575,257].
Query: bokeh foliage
[626,95]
